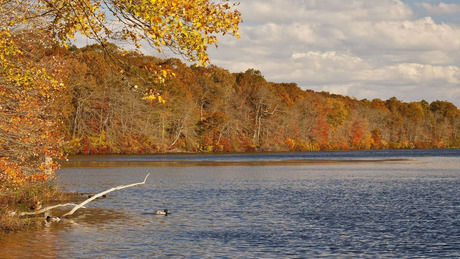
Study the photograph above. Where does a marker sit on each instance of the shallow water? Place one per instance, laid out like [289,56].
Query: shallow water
[340,204]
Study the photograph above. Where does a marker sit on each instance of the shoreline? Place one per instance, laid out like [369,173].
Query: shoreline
[252,158]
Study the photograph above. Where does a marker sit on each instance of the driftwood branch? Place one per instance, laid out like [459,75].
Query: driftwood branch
[103,193]
[46,209]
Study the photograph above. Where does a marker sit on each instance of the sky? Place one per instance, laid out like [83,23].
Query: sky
[360,48]
[366,49]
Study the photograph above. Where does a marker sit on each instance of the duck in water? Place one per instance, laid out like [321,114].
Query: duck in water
[52,219]
[164,212]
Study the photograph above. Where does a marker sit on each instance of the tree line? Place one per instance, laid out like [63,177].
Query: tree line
[127,107]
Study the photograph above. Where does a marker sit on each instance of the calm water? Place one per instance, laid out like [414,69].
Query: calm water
[341,204]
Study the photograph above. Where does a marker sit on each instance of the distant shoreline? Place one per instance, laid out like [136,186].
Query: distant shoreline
[253,159]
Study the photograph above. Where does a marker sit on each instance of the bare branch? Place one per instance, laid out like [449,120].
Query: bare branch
[46,209]
[102,193]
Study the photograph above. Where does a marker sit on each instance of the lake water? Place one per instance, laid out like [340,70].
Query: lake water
[369,204]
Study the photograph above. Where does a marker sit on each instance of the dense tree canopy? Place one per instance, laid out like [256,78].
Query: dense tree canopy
[187,27]
[38,76]
[208,109]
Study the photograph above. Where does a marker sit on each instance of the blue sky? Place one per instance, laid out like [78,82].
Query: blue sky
[360,48]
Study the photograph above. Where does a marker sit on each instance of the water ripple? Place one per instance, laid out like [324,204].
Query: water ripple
[393,209]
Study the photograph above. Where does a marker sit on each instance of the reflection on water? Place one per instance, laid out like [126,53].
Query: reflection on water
[197,162]
[406,206]
[48,239]
[34,243]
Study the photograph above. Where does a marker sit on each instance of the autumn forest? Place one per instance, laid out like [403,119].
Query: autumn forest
[124,107]
[57,99]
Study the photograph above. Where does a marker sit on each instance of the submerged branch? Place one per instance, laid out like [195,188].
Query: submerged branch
[103,193]
[46,209]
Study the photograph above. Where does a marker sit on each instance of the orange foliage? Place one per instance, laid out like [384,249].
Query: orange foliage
[31,112]
[209,109]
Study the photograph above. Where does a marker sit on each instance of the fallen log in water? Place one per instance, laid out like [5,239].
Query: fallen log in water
[103,193]
[82,205]
[43,210]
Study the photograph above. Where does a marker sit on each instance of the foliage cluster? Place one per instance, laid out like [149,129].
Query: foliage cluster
[31,95]
[36,75]
[212,110]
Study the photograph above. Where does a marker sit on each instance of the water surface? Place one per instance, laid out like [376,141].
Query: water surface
[339,204]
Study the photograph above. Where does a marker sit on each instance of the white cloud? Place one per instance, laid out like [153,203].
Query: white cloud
[364,48]
[324,11]
[421,34]
[338,68]
[441,8]
[417,73]
[334,67]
